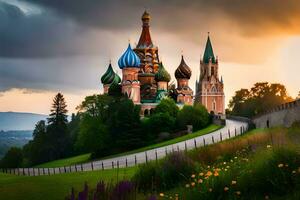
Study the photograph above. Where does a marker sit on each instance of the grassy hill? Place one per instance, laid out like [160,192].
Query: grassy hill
[256,162]
[86,157]
[54,187]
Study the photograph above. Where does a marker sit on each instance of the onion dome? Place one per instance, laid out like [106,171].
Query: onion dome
[108,76]
[129,59]
[162,74]
[183,70]
[117,79]
[146,16]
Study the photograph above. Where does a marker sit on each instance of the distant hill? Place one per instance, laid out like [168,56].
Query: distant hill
[19,121]
[13,139]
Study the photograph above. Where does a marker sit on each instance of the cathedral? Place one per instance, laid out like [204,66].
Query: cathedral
[146,81]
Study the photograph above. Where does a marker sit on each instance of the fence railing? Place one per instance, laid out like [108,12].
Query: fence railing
[134,159]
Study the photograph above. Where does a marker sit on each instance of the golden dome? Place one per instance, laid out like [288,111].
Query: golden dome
[146,16]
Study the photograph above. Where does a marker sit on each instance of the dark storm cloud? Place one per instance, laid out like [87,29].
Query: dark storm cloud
[250,15]
[35,35]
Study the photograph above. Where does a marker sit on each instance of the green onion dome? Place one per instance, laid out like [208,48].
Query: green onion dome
[117,79]
[162,74]
[109,76]
[183,70]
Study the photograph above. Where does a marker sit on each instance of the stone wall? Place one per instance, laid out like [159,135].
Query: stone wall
[283,115]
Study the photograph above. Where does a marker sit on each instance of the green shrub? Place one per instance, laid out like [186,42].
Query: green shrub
[196,115]
[167,173]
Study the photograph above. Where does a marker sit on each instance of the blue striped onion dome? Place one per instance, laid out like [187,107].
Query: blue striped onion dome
[108,76]
[129,59]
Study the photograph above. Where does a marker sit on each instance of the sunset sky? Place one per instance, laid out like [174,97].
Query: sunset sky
[50,46]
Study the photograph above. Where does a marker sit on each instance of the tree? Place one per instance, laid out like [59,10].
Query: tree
[158,123]
[196,115]
[38,149]
[124,124]
[261,97]
[57,129]
[167,105]
[12,159]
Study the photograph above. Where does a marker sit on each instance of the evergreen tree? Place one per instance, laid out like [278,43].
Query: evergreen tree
[57,129]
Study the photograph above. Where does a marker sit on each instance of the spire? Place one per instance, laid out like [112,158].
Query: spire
[209,53]
[145,38]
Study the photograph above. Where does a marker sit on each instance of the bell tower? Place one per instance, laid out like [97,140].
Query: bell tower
[210,88]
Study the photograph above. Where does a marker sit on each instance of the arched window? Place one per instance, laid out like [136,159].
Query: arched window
[214,89]
[214,106]
[146,112]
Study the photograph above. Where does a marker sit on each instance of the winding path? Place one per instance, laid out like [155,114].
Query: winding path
[233,128]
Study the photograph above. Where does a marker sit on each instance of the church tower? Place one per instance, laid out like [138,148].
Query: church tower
[210,88]
[183,74]
[130,65]
[148,54]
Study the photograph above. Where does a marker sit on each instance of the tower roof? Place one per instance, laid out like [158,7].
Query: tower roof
[162,74]
[209,53]
[183,70]
[129,59]
[145,38]
[108,76]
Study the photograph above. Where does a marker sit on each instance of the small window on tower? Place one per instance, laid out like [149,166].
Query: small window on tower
[212,70]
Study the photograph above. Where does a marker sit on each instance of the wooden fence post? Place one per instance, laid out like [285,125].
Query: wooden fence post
[156,155]
[126,162]
[92,166]
[146,156]
[135,160]
[203,141]
[48,172]
[81,167]
[228,133]
[185,146]
[212,139]
[118,164]
[221,137]
[195,142]
[178,148]
[102,166]
[112,164]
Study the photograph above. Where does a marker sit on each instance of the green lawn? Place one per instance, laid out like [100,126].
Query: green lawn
[86,157]
[67,161]
[55,187]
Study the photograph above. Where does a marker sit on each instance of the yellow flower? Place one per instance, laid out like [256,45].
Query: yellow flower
[266,197]
[233,182]
[224,163]
[280,165]
[235,157]
[238,192]
[210,189]
[225,170]
[269,146]
[192,184]
[187,185]
[209,173]
[193,176]
[208,166]
[161,194]
[201,174]
[200,181]
[226,189]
